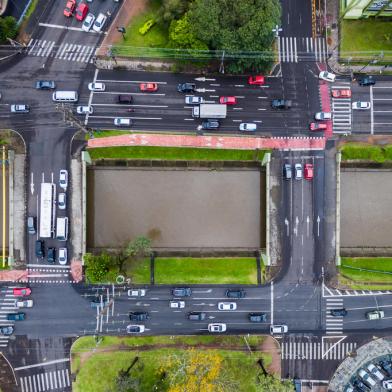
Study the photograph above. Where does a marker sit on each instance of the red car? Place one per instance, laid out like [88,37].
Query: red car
[314,126]
[228,100]
[341,93]
[149,87]
[258,80]
[81,11]
[21,291]
[308,171]
[69,8]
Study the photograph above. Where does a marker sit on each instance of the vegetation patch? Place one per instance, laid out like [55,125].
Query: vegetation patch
[367,152]
[176,153]
[206,270]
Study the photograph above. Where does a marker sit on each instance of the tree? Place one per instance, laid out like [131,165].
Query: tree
[127,383]
[139,247]
[273,384]
[172,9]
[239,28]
[8,28]
[97,266]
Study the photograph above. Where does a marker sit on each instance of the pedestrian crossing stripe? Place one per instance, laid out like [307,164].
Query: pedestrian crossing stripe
[333,324]
[328,292]
[48,381]
[294,49]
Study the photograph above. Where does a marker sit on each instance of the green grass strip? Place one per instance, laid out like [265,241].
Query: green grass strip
[367,152]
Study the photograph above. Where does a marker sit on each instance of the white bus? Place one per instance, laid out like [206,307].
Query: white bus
[62,229]
[48,210]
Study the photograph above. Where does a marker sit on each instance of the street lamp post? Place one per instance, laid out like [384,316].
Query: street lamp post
[122,30]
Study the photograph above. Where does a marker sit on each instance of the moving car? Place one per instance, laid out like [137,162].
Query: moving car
[16,316]
[314,126]
[227,306]
[39,249]
[287,172]
[135,328]
[69,8]
[139,316]
[367,81]
[193,100]
[84,110]
[281,104]
[210,124]
[248,127]
[298,171]
[122,122]
[308,171]
[81,11]
[96,86]
[256,80]
[235,293]
[31,224]
[339,312]
[278,329]
[63,256]
[322,116]
[228,100]
[366,377]
[136,293]
[88,22]
[375,372]
[99,22]
[63,179]
[148,87]
[20,108]
[177,304]
[51,255]
[182,292]
[21,291]
[28,303]
[344,93]
[217,327]
[360,105]
[62,201]
[197,316]
[257,317]
[186,87]
[7,330]
[327,76]
[375,314]
[96,302]
[45,85]
[123,98]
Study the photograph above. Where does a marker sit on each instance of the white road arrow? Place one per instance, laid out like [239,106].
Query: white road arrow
[307,226]
[203,79]
[203,90]
[318,226]
[32,184]
[203,291]
[286,222]
[296,225]
[211,317]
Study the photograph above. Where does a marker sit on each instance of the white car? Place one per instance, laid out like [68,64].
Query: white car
[360,105]
[248,127]
[63,179]
[84,110]
[28,303]
[387,384]
[88,22]
[366,377]
[62,201]
[99,22]
[136,293]
[375,371]
[218,327]
[122,122]
[321,116]
[278,329]
[227,306]
[97,86]
[328,76]
[298,171]
[20,108]
[135,328]
[192,100]
[177,304]
[63,258]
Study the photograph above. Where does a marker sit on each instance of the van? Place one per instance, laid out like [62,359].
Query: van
[62,229]
[375,314]
[124,98]
[31,224]
[65,96]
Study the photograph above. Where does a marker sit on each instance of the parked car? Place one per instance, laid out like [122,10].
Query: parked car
[21,291]
[227,306]
[197,316]
[88,22]
[365,376]
[84,110]
[28,303]
[375,372]
[99,22]
[339,312]
[148,87]
[278,329]
[256,80]
[257,317]
[63,258]
[186,87]
[135,328]
[122,122]
[217,327]
[6,330]
[367,81]
[69,8]
[298,171]
[235,293]
[193,100]
[16,316]
[281,104]
[308,171]
[386,366]
[39,249]
[322,116]
[51,255]
[182,292]
[228,100]
[375,314]
[62,201]
[20,108]
[139,316]
[97,86]
[248,127]
[344,93]
[314,126]
[136,293]
[360,105]
[63,179]
[287,171]
[45,85]
[31,224]
[177,304]
[327,76]
[360,386]
[81,11]
[387,384]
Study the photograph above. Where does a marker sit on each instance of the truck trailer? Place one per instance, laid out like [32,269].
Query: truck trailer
[209,110]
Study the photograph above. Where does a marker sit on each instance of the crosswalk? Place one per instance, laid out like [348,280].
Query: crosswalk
[329,292]
[38,273]
[341,110]
[316,350]
[294,49]
[66,51]
[57,380]
[333,324]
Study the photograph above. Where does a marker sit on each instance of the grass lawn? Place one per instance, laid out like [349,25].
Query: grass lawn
[353,151]
[176,153]
[365,35]
[98,134]
[206,270]
[139,271]
[116,356]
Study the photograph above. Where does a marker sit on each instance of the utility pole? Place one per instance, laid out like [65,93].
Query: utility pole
[69,116]
[222,66]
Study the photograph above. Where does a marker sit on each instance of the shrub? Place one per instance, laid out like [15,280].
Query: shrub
[147,26]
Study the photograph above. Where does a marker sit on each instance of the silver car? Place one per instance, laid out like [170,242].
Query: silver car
[88,22]
[20,108]
[248,127]
[84,110]
[192,100]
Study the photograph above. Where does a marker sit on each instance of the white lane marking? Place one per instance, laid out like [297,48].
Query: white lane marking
[91,96]
[42,364]
[133,106]
[54,26]
[129,81]
[132,118]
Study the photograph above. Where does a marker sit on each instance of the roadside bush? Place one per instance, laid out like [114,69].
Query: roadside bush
[363,152]
[8,28]
[147,26]
[97,267]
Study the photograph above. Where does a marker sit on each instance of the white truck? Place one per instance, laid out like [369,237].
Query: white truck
[209,110]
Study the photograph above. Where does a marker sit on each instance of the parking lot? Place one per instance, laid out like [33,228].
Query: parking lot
[177,208]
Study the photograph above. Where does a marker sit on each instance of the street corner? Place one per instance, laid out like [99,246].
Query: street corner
[7,375]
[77,271]
[14,276]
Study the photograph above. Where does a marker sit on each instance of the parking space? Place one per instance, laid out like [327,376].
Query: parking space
[381,99]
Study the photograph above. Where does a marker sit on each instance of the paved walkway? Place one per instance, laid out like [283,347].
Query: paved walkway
[13,275]
[223,142]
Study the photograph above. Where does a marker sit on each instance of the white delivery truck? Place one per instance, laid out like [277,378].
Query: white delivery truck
[209,110]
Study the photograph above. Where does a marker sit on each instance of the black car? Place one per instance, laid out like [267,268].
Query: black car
[386,366]
[197,316]
[281,104]
[122,98]
[287,171]
[139,316]
[51,255]
[339,312]
[45,85]
[235,293]
[360,386]
[257,317]
[182,292]
[210,124]
[39,249]
[367,81]
[186,88]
